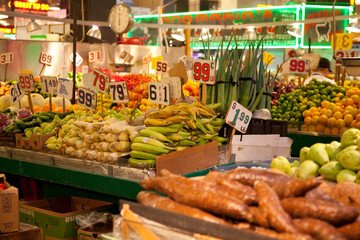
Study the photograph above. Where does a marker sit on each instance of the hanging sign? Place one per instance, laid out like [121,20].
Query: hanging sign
[119,92]
[204,71]
[297,66]
[87,98]
[6,58]
[238,117]
[268,58]
[46,59]
[346,53]
[48,84]
[16,93]
[65,88]
[162,67]
[96,81]
[79,59]
[147,59]
[344,41]
[159,93]
[27,82]
[94,56]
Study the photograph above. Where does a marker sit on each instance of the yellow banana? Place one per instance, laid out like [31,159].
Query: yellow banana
[157,122]
[203,106]
[163,114]
[190,124]
[202,113]
[178,118]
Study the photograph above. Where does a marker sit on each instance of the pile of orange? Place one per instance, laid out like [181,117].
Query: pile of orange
[46,108]
[334,117]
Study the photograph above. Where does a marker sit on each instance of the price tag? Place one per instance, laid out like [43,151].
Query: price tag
[182,59]
[346,53]
[27,82]
[204,71]
[94,56]
[126,56]
[65,88]
[79,59]
[344,41]
[238,117]
[46,59]
[313,58]
[298,66]
[162,67]
[49,84]
[268,58]
[155,60]
[175,86]
[6,58]
[96,81]
[86,98]
[159,93]
[147,59]
[16,93]
[119,92]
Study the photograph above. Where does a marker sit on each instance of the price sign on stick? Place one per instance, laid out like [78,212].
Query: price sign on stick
[87,98]
[154,61]
[46,59]
[94,56]
[126,56]
[162,67]
[48,84]
[79,59]
[26,82]
[16,93]
[97,81]
[238,117]
[298,66]
[119,92]
[344,41]
[6,58]
[346,53]
[65,88]
[268,58]
[147,59]
[175,86]
[204,71]
[313,58]
[159,93]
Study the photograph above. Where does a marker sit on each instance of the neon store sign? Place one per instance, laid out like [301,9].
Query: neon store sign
[30,5]
[273,36]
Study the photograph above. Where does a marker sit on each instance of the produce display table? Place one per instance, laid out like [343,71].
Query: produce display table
[306,139]
[106,181]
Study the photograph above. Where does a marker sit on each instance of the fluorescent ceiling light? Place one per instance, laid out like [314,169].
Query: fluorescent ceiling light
[54,8]
[94,32]
[178,34]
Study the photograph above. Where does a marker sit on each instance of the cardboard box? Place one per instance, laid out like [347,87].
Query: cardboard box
[94,232]
[26,231]
[34,142]
[56,216]
[9,207]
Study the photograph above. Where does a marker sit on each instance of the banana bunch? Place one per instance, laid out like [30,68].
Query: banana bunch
[175,128]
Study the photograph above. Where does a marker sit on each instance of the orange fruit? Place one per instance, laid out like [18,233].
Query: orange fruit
[46,107]
[315,120]
[330,106]
[327,130]
[354,112]
[320,128]
[348,119]
[317,114]
[58,110]
[355,98]
[357,118]
[337,100]
[350,92]
[338,109]
[335,130]
[312,128]
[339,94]
[322,111]
[324,104]
[304,128]
[338,115]
[353,124]
[328,113]
[37,109]
[313,109]
[349,101]
[358,125]
[342,130]
[331,122]
[323,119]
[349,108]
[338,104]
[307,121]
[306,113]
[340,123]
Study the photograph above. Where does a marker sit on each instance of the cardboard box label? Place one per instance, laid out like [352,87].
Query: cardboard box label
[9,205]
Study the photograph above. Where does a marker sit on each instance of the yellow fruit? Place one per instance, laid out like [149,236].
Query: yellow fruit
[323,119]
[315,120]
[330,106]
[331,122]
[340,123]
[307,121]
[313,109]
[355,98]
[317,114]
[336,99]
[357,118]
[350,92]
[342,130]
[312,128]
[324,104]
[353,124]
[306,114]
[320,128]
[358,125]
[337,109]
[304,127]
[354,112]
[328,113]
[322,111]
[348,119]
[337,115]
[327,130]
[335,130]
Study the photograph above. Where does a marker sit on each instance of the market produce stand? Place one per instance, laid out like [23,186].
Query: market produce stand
[306,139]
[109,182]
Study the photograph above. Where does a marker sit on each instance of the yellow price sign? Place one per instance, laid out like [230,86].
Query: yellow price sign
[155,60]
[344,41]
[268,58]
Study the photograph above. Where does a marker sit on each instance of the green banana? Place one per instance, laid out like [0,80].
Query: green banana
[202,141]
[214,105]
[221,139]
[164,130]
[184,134]
[143,147]
[208,136]
[141,163]
[176,125]
[187,143]
[149,133]
[180,148]
[210,128]
[218,122]
[177,137]
[142,155]
[151,141]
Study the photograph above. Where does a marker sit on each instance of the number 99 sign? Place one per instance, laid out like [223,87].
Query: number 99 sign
[87,98]
[204,71]
[299,66]
[26,82]
[119,92]
[238,117]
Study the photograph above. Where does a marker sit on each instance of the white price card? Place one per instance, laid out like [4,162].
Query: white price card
[6,58]
[204,71]
[16,93]
[175,86]
[147,59]
[346,53]
[65,88]
[159,93]
[162,67]
[298,66]
[86,98]
[119,92]
[126,56]
[27,82]
[46,59]
[238,117]
[79,59]
[49,84]
[94,56]
[96,81]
